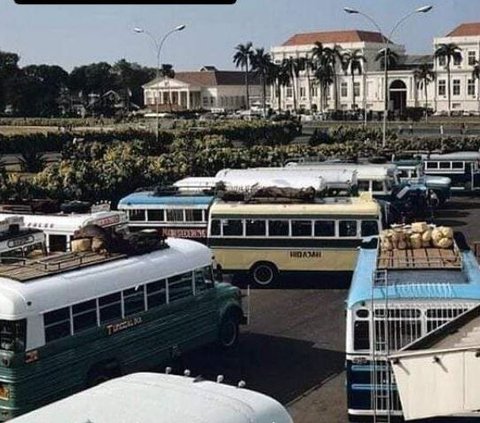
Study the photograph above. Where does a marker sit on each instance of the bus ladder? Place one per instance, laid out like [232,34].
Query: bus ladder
[381,377]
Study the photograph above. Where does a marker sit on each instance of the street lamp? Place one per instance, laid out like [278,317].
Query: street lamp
[386,42]
[158,48]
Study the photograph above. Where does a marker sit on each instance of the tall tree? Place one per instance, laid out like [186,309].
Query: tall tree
[8,71]
[278,77]
[293,65]
[242,59]
[333,56]
[167,72]
[352,61]
[476,76]
[448,51]
[261,66]
[324,75]
[423,76]
[392,60]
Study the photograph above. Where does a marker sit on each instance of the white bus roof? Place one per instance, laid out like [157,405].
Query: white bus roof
[62,289]
[459,155]
[160,398]
[197,182]
[69,223]
[364,171]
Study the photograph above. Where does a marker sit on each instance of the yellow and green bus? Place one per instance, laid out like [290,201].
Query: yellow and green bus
[266,239]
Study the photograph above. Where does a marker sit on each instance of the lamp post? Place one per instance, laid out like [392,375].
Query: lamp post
[158,48]
[386,42]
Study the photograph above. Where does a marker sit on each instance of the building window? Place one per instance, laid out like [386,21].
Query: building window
[471,87]
[472,58]
[314,91]
[303,92]
[442,87]
[289,92]
[441,61]
[456,87]
[457,60]
[205,101]
[356,89]
[344,89]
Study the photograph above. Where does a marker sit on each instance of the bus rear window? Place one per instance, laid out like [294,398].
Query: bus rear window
[13,335]
[369,227]
[361,335]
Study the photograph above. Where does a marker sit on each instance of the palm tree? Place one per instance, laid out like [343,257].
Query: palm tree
[392,60]
[333,56]
[476,76]
[424,75]
[448,51]
[324,75]
[353,60]
[293,66]
[242,59]
[166,72]
[309,65]
[261,65]
[279,77]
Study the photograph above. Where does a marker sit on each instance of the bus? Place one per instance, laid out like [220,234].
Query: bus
[461,167]
[178,212]
[162,398]
[59,228]
[395,298]
[73,320]
[265,239]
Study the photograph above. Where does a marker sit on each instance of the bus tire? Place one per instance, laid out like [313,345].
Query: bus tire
[99,374]
[264,274]
[228,332]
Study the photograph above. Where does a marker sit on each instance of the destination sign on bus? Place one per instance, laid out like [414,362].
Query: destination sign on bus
[305,254]
[184,232]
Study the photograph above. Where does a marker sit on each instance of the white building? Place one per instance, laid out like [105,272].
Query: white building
[208,89]
[370,86]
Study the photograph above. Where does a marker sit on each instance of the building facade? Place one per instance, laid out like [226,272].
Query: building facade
[207,89]
[367,90]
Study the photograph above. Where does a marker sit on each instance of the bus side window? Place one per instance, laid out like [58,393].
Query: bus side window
[57,243]
[431,165]
[444,165]
[193,215]
[278,228]
[256,228]
[301,228]
[458,165]
[369,227]
[361,335]
[180,287]
[203,279]
[363,185]
[325,228]
[84,315]
[156,215]
[377,186]
[215,227]
[133,300]
[232,227]
[175,215]
[57,324]
[136,215]
[156,294]
[347,228]
[110,307]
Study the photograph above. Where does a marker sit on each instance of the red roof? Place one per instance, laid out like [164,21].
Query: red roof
[466,30]
[332,37]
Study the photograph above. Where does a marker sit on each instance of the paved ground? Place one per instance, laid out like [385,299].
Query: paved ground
[293,348]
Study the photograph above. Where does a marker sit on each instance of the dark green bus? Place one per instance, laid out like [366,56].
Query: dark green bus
[73,320]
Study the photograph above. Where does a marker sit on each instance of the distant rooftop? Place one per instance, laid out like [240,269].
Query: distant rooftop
[332,37]
[466,30]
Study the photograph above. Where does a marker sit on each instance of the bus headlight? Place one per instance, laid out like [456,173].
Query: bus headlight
[4,392]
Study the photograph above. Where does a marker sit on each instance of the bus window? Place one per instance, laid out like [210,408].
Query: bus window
[232,227]
[364,185]
[175,215]
[156,215]
[84,315]
[215,227]
[13,335]
[458,165]
[180,287]
[57,324]
[193,215]
[110,307]
[348,228]
[361,335]
[377,186]
[301,228]
[136,215]
[431,165]
[325,228]
[369,227]
[57,242]
[256,228]
[156,294]
[133,300]
[278,227]
[444,165]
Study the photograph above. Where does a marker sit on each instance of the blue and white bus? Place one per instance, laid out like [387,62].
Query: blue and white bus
[179,214]
[395,298]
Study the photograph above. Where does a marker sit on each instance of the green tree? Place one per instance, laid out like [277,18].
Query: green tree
[261,66]
[242,59]
[9,71]
[293,65]
[448,52]
[278,77]
[352,61]
[324,76]
[391,61]
[423,76]
[333,56]
[167,72]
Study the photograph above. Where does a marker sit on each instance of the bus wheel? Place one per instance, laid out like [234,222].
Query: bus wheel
[264,274]
[228,332]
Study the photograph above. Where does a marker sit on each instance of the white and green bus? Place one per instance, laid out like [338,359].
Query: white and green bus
[265,239]
[69,321]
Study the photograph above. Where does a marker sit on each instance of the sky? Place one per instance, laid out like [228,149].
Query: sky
[73,35]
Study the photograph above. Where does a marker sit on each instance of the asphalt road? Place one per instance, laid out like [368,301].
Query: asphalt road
[293,348]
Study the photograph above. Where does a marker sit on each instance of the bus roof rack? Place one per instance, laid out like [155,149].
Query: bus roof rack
[270,195]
